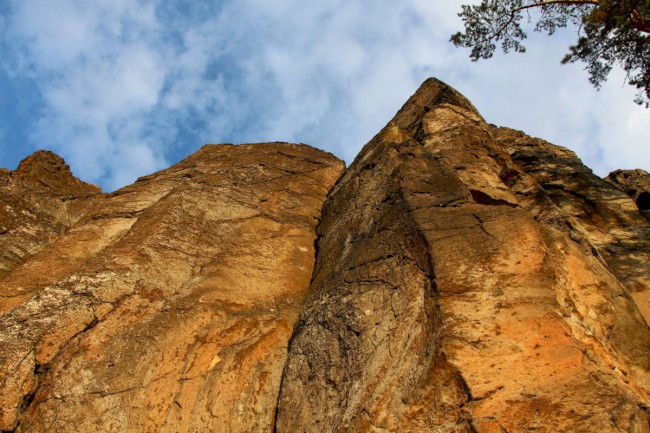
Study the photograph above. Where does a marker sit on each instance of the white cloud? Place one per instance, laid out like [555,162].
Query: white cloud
[95,68]
[535,93]
[63,31]
[131,86]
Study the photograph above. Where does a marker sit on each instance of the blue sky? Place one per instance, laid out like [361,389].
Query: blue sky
[122,88]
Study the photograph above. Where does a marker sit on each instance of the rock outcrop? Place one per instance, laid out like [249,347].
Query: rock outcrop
[453,292]
[169,305]
[39,201]
[457,277]
[636,184]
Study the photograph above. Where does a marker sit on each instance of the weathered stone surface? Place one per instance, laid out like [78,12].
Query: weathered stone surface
[636,184]
[39,201]
[610,223]
[455,291]
[169,305]
[460,278]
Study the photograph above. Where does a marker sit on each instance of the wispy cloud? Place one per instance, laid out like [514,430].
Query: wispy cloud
[128,87]
[99,74]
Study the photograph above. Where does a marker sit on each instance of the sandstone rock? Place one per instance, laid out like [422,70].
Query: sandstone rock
[636,184]
[39,201]
[609,223]
[452,293]
[169,305]
[458,277]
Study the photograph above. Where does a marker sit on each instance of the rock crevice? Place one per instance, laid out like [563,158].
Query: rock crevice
[506,323]
[457,277]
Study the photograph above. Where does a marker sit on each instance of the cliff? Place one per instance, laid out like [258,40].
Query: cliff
[169,304]
[457,277]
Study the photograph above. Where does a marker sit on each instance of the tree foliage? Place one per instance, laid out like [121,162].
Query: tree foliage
[610,32]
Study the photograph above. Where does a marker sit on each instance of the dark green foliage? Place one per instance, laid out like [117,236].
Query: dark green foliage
[610,32]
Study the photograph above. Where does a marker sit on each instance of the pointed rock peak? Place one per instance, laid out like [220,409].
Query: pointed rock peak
[435,101]
[435,107]
[42,160]
[432,93]
[50,170]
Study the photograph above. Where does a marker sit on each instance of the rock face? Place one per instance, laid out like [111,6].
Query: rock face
[610,223]
[39,201]
[169,305]
[454,290]
[636,184]
[458,277]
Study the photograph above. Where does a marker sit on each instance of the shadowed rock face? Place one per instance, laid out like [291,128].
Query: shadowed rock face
[608,221]
[458,277]
[454,292]
[636,184]
[170,304]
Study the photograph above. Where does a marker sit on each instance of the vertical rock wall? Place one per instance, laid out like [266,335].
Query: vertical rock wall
[454,293]
[609,223]
[169,306]
[458,277]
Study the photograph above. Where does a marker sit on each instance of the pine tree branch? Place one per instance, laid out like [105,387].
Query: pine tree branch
[556,2]
[640,22]
[540,4]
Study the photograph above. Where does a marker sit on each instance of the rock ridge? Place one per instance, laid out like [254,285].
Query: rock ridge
[457,277]
[168,307]
[439,251]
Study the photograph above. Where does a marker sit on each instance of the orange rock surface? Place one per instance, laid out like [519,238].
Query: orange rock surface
[456,278]
[169,305]
[454,293]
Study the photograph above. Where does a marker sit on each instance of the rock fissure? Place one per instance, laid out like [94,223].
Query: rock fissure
[457,277]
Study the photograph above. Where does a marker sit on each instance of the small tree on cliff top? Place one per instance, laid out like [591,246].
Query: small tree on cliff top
[609,32]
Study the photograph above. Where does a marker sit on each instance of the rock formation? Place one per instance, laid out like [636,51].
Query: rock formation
[38,201]
[456,290]
[168,306]
[457,277]
[636,184]
[603,214]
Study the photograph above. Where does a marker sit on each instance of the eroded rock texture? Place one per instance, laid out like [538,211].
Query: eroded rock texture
[168,306]
[39,201]
[458,277]
[636,184]
[471,279]
[609,221]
